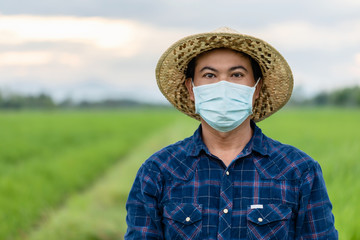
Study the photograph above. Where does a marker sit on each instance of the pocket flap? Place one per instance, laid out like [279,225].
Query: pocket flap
[269,213]
[186,213]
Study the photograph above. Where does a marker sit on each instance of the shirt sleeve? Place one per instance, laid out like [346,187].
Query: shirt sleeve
[315,219]
[143,217]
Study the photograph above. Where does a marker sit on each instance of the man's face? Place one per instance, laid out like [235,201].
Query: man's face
[222,64]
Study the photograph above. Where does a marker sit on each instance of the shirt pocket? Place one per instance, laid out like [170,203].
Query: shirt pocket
[182,221]
[270,222]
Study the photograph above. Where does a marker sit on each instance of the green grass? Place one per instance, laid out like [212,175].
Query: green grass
[91,206]
[331,137]
[47,157]
[99,213]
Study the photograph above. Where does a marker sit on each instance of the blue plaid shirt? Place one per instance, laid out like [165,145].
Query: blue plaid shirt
[270,191]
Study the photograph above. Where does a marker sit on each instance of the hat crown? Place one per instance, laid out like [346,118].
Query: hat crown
[277,81]
[225,30]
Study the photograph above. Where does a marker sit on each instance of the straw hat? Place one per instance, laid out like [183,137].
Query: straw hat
[277,77]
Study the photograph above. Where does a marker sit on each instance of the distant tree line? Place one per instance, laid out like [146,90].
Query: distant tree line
[45,101]
[18,101]
[346,97]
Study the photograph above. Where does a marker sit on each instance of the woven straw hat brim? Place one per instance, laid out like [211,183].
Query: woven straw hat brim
[277,78]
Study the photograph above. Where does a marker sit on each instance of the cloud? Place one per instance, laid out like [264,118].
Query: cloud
[124,37]
[304,35]
[99,32]
[357,59]
[342,3]
[355,67]
[58,51]
[55,50]
[24,58]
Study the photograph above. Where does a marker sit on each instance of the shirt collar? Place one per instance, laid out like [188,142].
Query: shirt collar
[197,144]
[257,143]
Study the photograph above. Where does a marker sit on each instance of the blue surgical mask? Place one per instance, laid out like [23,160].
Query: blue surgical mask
[224,105]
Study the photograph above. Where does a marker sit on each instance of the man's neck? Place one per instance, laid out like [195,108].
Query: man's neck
[226,145]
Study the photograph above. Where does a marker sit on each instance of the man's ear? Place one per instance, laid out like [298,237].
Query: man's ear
[189,86]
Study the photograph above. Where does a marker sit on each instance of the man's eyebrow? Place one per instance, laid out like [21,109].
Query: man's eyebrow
[230,69]
[237,67]
[208,68]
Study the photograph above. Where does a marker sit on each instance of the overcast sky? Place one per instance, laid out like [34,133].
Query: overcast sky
[109,48]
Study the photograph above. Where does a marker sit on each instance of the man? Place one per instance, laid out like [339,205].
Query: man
[228,180]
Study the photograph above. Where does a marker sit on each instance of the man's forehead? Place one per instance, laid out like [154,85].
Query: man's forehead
[220,54]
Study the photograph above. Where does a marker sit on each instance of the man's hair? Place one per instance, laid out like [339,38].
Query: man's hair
[190,70]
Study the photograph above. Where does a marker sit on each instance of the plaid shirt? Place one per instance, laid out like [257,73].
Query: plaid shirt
[270,191]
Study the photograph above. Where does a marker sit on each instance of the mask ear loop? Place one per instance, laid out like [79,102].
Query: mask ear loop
[257,82]
[254,90]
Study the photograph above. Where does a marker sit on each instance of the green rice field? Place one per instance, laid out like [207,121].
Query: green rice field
[66,174]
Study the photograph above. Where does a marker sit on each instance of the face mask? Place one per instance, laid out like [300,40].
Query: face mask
[224,105]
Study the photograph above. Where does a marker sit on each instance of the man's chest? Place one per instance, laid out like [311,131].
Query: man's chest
[234,200]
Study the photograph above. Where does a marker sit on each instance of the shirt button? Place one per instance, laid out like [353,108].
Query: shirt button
[227,173]
[226,210]
[260,219]
[187,219]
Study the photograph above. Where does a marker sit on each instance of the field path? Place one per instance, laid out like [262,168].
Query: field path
[99,212]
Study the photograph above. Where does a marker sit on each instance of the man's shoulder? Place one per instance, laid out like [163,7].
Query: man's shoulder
[175,150]
[171,160]
[285,161]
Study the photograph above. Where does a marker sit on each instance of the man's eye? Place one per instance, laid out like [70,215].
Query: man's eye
[209,75]
[237,75]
